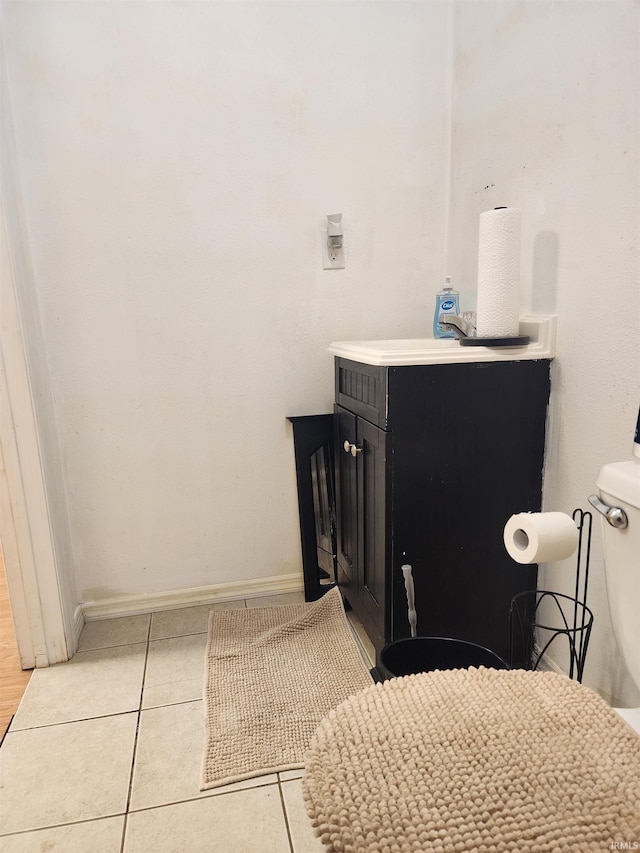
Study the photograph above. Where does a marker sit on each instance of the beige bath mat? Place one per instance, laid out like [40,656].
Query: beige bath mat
[271,675]
[471,760]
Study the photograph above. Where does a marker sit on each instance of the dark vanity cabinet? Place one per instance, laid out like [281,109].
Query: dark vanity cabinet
[361,509]
[430,462]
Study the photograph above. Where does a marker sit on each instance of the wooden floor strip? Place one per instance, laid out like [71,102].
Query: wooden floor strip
[13,680]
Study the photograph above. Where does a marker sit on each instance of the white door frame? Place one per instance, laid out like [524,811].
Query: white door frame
[45,629]
[25,531]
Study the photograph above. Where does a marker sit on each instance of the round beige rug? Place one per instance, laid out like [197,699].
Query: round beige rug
[474,760]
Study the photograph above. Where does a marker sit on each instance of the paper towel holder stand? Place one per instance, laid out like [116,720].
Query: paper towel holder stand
[576,619]
[465,332]
[517,341]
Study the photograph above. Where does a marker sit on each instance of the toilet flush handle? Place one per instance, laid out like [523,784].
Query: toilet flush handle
[616,516]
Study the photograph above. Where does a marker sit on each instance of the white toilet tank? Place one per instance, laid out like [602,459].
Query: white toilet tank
[619,485]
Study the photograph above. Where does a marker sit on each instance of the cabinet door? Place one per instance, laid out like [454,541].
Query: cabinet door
[346,501]
[372,459]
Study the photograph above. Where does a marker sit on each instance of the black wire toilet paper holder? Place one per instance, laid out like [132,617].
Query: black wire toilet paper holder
[575,618]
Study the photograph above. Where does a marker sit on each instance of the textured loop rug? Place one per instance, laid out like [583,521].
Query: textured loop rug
[475,760]
[271,674]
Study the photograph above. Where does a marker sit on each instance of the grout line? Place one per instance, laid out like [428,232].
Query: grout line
[58,825]
[205,795]
[104,649]
[6,731]
[171,704]
[135,741]
[70,722]
[285,815]
[177,636]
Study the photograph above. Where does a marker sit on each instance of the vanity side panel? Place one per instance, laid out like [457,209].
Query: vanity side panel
[469,452]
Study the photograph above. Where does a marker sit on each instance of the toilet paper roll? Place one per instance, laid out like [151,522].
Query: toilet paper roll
[539,537]
[498,306]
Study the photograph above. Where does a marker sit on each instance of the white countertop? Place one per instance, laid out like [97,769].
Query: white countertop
[542,331]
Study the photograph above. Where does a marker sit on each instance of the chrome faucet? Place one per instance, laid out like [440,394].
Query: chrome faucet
[461,328]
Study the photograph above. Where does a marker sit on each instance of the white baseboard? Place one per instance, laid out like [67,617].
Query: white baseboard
[77,626]
[131,605]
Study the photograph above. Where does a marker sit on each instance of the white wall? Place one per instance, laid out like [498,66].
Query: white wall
[177,162]
[545,118]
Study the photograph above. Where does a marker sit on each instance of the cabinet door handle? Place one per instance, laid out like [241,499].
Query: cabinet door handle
[351,448]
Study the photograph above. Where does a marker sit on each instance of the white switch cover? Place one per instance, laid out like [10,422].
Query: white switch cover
[332,259]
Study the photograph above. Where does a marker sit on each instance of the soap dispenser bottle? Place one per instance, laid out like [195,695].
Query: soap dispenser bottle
[447,302]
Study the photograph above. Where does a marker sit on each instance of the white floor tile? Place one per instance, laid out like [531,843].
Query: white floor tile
[72,743]
[286,775]
[250,821]
[102,633]
[169,757]
[187,620]
[70,772]
[92,684]
[302,835]
[276,600]
[175,670]
[98,836]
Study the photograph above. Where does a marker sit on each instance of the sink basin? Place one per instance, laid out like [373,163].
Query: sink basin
[541,330]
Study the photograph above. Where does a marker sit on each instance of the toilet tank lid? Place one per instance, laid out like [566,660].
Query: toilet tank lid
[621,480]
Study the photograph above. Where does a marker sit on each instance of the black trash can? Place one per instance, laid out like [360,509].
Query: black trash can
[425,654]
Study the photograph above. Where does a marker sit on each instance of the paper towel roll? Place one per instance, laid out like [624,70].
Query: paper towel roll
[498,308]
[538,537]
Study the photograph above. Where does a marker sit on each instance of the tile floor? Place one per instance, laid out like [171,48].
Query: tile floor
[104,752]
